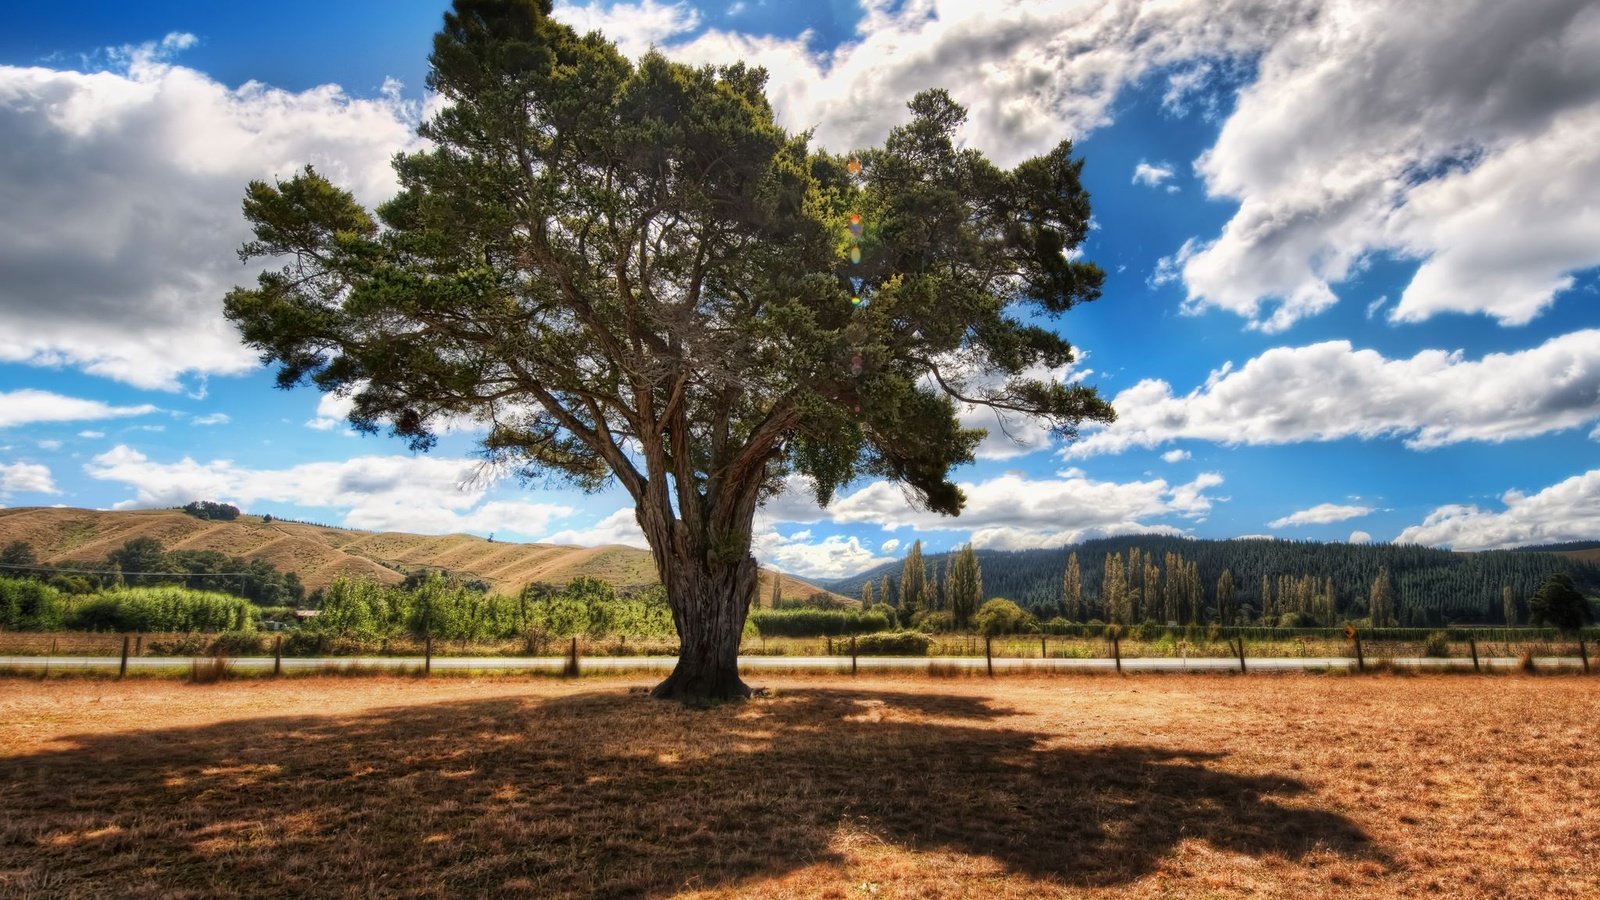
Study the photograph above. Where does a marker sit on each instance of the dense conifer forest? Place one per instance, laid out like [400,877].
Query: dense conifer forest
[1430,586]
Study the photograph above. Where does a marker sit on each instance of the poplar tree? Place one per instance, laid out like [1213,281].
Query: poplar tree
[1072,590]
[885,592]
[1380,599]
[965,585]
[777,590]
[912,579]
[866,596]
[1508,604]
[1225,594]
[631,275]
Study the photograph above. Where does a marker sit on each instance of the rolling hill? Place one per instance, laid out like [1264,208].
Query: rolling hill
[321,553]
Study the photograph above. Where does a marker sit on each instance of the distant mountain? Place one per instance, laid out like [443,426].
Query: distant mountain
[1433,586]
[321,553]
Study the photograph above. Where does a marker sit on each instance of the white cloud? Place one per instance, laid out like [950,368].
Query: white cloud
[1330,391]
[890,546]
[425,495]
[1321,514]
[1567,511]
[216,418]
[620,527]
[1360,537]
[833,557]
[1485,171]
[91,434]
[1374,306]
[1175,456]
[634,27]
[120,219]
[27,406]
[50,445]
[1012,511]
[1152,175]
[26,478]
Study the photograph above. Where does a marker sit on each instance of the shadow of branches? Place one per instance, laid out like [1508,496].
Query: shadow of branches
[611,794]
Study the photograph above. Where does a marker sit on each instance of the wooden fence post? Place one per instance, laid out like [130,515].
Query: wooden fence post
[138,644]
[1043,654]
[571,669]
[1583,654]
[277,657]
[1361,658]
[1241,655]
[427,653]
[1116,648]
[852,656]
[122,671]
[988,653]
[1472,644]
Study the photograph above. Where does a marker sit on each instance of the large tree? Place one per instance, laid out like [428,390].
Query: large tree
[631,275]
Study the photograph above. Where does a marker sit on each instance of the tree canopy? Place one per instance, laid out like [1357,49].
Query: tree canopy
[629,273]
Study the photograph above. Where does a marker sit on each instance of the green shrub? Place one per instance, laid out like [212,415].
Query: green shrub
[1437,645]
[817,622]
[1148,630]
[162,609]
[1001,616]
[1058,625]
[894,643]
[27,605]
[239,643]
[939,621]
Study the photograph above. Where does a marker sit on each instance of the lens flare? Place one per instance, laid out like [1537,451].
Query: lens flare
[855,255]
[853,167]
[855,364]
[855,301]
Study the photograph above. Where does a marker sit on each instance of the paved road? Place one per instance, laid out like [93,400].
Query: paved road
[770,663]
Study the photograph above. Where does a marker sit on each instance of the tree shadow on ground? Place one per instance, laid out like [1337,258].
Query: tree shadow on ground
[612,794]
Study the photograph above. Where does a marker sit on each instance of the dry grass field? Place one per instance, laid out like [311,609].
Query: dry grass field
[319,554]
[1159,786]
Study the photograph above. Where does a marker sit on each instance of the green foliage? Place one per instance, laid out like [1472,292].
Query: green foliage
[939,621]
[1001,616]
[163,608]
[1297,619]
[966,585]
[894,643]
[817,622]
[27,605]
[1437,645]
[205,509]
[18,554]
[1558,603]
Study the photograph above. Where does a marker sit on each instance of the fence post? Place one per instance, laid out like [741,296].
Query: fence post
[1583,654]
[988,654]
[1241,656]
[427,651]
[138,644]
[1361,658]
[1472,644]
[122,671]
[571,669]
[277,657]
[1116,647]
[852,655]
[1043,654]
[48,658]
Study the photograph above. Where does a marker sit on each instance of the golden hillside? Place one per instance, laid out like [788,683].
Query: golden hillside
[320,553]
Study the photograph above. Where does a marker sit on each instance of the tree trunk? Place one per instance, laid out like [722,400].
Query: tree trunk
[709,606]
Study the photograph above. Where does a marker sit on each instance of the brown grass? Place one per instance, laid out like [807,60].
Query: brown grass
[828,787]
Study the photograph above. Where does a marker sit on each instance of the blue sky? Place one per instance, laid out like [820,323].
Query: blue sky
[1351,252]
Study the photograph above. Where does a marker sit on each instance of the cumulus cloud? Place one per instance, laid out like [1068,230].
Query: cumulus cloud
[425,495]
[1331,390]
[51,444]
[26,478]
[1483,171]
[121,219]
[890,546]
[1152,175]
[91,434]
[634,27]
[29,407]
[1567,511]
[1175,456]
[1360,537]
[833,557]
[1321,514]
[1014,511]
[620,527]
